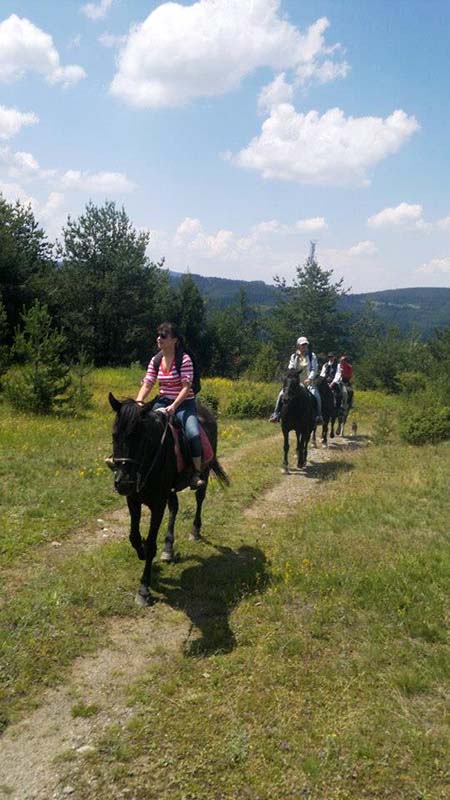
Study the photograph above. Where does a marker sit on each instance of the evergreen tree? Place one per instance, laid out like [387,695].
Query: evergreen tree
[42,378]
[4,349]
[111,295]
[309,308]
[236,337]
[26,264]
[189,313]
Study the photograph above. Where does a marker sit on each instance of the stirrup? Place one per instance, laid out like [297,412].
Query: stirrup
[196,481]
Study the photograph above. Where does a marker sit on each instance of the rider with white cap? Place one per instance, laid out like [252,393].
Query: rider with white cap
[307,367]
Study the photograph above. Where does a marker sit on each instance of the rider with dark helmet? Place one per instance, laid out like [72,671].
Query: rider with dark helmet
[329,369]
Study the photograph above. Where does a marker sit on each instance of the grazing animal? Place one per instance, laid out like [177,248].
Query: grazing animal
[329,411]
[298,413]
[145,465]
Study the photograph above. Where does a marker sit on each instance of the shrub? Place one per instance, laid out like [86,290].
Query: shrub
[39,383]
[426,424]
[209,399]
[250,404]
[412,382]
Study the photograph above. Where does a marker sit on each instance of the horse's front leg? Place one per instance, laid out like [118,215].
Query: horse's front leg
[197,524]
[167,553]
[157,512]
[301,455]
[314,439]
[286,451]
[135,508]
[325,433]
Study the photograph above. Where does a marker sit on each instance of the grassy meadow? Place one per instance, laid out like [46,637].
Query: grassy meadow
[320,662]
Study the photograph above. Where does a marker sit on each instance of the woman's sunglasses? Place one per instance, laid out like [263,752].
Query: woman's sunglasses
[163,335]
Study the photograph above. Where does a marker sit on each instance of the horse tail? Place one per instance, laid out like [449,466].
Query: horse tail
[219,472]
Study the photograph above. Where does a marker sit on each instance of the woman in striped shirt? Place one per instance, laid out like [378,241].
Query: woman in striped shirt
[175,393]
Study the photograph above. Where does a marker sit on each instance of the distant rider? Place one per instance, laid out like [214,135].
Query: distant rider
[329,369]
[344,375]
[306,364]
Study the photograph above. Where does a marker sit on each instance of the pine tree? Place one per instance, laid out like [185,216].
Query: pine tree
[309,308]
[112,296]
[42,378]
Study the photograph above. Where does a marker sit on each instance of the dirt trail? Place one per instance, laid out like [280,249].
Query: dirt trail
[32,751]
[298,485]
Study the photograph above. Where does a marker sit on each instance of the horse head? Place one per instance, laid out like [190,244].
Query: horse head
[136,434]
[291,385]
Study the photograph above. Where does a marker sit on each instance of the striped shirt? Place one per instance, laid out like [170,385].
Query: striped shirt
[171,382]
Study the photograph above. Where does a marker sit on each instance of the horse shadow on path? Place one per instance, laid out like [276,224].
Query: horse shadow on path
[209,590]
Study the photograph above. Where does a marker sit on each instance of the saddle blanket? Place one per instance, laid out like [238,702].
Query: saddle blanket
[207,451]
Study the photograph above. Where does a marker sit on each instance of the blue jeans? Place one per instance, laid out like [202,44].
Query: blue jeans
[186,414]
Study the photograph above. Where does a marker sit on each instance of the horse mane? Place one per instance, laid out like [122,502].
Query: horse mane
[129,417]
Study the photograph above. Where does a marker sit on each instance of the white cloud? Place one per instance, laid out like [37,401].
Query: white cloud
[97,182]
[276,92]
[437,266]
[96,11]
[12,120]
[111,40]
[191,235]
[26,48]
[444,224]
[311,225]
[403,215]
[14,191]
[317,72]
[366,248]
[183,52]
[18,165]
[327,149]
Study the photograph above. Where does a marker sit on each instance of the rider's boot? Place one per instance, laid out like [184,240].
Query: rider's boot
[196,481]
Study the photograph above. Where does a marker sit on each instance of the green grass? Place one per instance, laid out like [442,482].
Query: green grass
[319,662]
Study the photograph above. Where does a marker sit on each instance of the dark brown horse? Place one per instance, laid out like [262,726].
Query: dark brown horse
[298,413]
[145,472]
[329,411]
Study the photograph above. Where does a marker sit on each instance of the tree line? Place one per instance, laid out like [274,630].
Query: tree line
[96,298]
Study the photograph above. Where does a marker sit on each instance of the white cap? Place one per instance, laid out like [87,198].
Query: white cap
[302,340]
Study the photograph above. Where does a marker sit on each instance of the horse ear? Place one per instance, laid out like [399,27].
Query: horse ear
[116,405]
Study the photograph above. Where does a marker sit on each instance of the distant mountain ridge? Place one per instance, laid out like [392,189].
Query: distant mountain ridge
[423,308]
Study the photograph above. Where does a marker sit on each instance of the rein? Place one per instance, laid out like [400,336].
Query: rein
[139,481]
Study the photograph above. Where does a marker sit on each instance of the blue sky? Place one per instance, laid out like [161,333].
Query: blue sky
[238,130]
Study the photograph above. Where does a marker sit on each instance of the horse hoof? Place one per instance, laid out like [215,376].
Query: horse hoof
[285,470]
[167,555]
[194,535]
[143,597]
[331,435]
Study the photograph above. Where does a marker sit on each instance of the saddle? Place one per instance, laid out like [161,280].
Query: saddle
[182,450]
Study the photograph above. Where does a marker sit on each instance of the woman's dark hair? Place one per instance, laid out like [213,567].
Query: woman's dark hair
[172,329]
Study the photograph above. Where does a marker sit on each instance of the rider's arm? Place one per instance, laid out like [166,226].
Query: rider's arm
[314,367]
[338,377]
[323,371]
[293,362]
[147,383]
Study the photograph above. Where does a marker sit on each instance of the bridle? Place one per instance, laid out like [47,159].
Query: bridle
[116,463]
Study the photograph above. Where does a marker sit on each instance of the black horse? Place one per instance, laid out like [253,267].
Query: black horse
[329,411]
[145,465]
[298,413]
